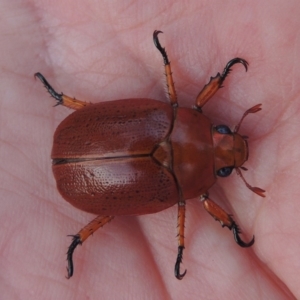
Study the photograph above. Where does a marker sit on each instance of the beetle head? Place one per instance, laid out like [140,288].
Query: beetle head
[231,150]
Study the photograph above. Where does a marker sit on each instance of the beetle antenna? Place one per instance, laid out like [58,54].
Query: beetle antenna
[254,189]
[251,110]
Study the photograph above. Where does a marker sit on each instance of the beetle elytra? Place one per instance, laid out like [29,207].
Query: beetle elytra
[141,156]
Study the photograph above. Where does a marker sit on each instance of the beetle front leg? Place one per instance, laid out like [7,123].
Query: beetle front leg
[61,98]
[81,236]
[180,227]
[216,82]
[170,82]
[225,219]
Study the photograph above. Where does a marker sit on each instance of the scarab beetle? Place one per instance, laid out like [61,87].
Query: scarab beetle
[141,156]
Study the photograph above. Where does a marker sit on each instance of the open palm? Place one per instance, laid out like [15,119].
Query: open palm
[104,51]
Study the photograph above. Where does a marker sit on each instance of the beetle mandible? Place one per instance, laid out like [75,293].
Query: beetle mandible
[141,156]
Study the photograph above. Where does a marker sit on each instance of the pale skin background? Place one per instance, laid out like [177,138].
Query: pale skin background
[103,50]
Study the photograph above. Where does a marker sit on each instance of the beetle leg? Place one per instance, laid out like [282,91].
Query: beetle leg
[61,98]
[216,82]
[226,220]
[181,219]
[81,236]
[170,82]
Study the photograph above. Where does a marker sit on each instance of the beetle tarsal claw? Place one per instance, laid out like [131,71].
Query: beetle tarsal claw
[237,238]
[178,262]
[232,62]
[75,242]
[161,49]
[49,88]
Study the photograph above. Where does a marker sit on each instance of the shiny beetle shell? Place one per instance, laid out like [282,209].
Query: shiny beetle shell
[127,157]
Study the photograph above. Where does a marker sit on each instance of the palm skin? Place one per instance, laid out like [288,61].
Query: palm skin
[104,51]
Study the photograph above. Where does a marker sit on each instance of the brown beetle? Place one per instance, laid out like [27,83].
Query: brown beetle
[141,156]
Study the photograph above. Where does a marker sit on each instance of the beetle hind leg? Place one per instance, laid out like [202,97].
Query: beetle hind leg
[170,82]
[60,98]
[181,220]
[216,82]
[226,220]
[81,236]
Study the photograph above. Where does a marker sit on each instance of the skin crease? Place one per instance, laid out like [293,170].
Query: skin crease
[104,51]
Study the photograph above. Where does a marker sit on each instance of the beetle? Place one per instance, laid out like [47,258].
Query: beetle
[141,156]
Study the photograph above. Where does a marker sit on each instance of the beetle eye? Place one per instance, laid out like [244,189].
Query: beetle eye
[224,172]
[223,129]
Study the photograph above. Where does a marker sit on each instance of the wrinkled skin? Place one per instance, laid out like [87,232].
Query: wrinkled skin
[100,52]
